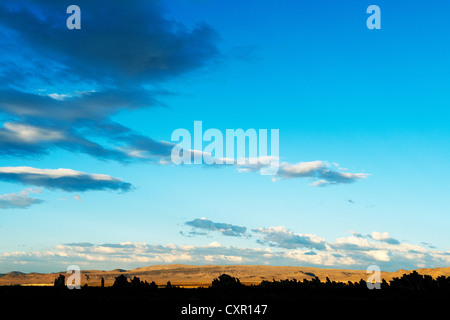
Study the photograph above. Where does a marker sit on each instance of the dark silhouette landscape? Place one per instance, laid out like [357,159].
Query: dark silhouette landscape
[279,298]
[224,286]
[194,276]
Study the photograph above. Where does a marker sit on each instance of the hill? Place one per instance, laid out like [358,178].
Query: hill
[195,276]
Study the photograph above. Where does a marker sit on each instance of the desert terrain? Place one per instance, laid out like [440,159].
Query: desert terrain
[202,276]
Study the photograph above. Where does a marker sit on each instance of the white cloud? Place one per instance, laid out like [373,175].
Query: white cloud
[63,179]
[379,255]
[284,238]
[58,96]
[285,248]
[214,244]
[321,173]
[384,237]
[20,200]
[31,134]
[301,169]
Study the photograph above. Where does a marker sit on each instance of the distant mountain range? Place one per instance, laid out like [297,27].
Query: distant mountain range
[195,276]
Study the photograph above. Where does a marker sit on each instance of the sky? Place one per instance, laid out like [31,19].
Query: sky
[87,117]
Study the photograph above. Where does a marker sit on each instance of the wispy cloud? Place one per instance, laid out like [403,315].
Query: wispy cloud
[319,171]
[62,179]
[225,229]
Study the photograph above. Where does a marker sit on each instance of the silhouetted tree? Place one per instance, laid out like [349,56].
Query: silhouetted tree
[153,285]
[60,282]
[415,282]
[226,281]
[121,282]
[136,282]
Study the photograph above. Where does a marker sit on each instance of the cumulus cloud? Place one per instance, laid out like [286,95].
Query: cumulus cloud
[389,253]
[384,237]
[377,236]
[62,179]
[285,238]
[20,200]
[355,251]
[131,254]
[379,255]
[319,171]
[225,228]
[347,252]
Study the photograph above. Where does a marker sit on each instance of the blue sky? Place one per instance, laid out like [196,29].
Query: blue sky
[77,106]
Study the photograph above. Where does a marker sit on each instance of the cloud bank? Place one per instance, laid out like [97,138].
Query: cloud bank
[286,248]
